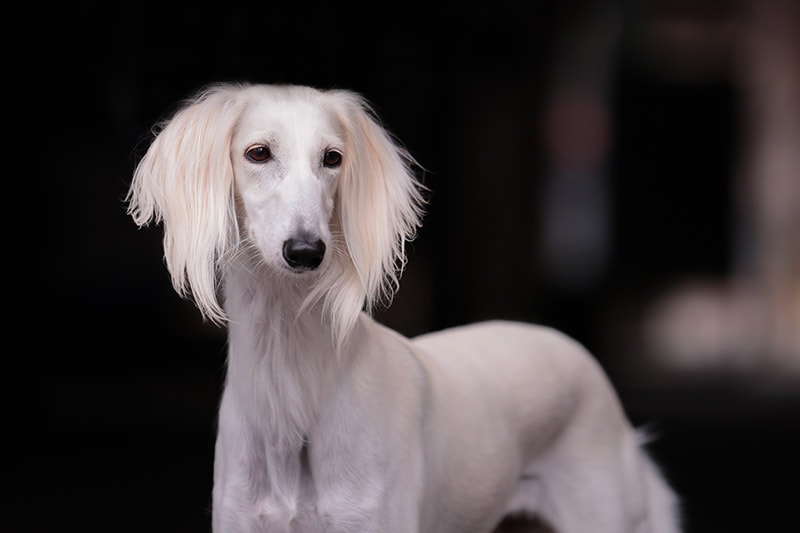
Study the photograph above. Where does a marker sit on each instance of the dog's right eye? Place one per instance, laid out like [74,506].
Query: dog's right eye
[258,154]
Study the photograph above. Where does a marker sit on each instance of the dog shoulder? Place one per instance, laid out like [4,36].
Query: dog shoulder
[501,333]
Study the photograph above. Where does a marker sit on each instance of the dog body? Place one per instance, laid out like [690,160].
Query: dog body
[298,204]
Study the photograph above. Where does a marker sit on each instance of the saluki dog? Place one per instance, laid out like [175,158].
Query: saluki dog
[286,210]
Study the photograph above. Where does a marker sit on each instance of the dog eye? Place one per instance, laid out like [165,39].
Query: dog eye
[258,154]
[332,159]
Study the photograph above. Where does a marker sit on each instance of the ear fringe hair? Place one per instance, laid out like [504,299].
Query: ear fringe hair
[185,180]
[379,208]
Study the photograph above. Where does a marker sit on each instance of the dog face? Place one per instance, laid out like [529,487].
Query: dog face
[287,155]
[309,179]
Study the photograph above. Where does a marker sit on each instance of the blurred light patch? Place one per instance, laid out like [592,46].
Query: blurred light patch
[576,197]
[748,321]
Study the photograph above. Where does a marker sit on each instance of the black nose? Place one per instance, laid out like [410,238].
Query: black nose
[303,254]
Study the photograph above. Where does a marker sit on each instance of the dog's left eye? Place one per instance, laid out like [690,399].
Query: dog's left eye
[332,159]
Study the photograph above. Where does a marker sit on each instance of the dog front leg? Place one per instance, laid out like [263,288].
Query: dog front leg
[372,507]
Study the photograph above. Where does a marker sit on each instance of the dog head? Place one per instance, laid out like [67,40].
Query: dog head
[307,179]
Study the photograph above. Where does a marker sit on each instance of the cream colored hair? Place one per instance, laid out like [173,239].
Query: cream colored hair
[186,182]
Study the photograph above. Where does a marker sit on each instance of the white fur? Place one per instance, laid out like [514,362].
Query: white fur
[329,421]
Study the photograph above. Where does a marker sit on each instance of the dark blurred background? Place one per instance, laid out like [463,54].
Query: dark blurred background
[628,172]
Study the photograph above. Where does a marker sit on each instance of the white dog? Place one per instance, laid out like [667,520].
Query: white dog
[297,203]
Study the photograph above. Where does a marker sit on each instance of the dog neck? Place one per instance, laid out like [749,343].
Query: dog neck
[281,358]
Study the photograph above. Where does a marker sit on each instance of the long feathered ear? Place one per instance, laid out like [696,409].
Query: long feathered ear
[379,209]
[185,180]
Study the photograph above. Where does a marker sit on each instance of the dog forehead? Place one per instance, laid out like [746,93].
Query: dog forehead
[289,119]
